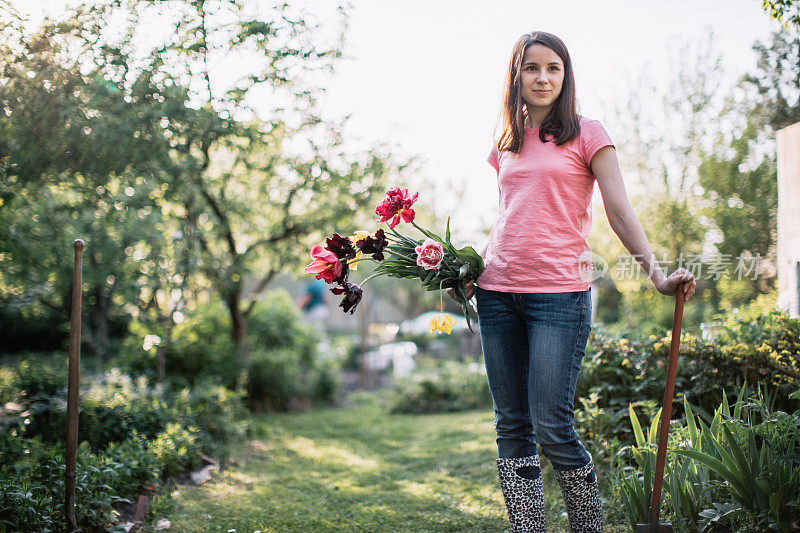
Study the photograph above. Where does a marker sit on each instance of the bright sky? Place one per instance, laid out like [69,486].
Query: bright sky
[426,76]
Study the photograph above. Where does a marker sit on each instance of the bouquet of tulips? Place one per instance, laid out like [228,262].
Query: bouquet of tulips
[431,259]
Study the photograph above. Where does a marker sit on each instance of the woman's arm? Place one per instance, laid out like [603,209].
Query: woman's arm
[625,224]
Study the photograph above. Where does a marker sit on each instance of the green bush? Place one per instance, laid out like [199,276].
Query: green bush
[276,377]
[200,344]
[38,376]
[38,386]
[218,412]
[755,345]
[177,449]
[452,387]
[201,347]
[32,486]
[613,373]
[32,498]
[327,382]
[137,468]
[117,407]
[277,323]
[8,385]
[283,363]
[13,447]
[111,410]
[273,378]
[131,435]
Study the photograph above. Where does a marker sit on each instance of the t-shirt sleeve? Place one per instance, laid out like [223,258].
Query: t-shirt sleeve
[494,158]
[593,137]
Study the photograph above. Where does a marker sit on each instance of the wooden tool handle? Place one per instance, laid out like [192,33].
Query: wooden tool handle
[666,411]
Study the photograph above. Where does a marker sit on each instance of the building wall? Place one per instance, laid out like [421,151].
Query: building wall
[789,219]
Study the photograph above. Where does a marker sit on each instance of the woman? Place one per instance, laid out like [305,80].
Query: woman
[533,298]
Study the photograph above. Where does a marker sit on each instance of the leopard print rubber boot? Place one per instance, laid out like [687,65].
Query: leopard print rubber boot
[524,497]
[582,498]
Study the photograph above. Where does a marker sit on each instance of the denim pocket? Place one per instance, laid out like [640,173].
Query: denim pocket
[490,303]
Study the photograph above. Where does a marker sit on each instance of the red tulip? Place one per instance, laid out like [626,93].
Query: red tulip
[325,265]
[396,204]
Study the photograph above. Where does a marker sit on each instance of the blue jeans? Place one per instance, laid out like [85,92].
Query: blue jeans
[533,345]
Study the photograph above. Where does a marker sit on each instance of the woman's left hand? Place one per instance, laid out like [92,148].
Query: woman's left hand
[680,278]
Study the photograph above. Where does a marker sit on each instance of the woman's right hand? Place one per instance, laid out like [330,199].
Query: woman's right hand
[469,290]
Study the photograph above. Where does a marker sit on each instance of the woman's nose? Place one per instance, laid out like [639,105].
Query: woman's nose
[541,77]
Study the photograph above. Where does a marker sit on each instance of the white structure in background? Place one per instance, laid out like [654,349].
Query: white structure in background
[789,219]
[399,354]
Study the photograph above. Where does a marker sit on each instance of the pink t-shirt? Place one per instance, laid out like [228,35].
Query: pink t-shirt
[540,238]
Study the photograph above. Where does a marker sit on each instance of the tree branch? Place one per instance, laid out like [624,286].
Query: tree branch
[215,206]
[259,287]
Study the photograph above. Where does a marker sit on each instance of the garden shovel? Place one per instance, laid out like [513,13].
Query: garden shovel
[655,506]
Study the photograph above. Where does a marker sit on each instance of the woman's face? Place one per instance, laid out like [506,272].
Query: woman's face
[542,76]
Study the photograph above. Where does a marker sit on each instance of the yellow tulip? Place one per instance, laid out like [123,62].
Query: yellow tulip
[357,236]
[442,323]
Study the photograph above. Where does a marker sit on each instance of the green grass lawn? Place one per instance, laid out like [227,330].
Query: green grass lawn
[358,469]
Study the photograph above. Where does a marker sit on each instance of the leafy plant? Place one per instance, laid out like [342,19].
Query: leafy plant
[636,490]
[31,500]
[177,449]
[733,471]
[760,465]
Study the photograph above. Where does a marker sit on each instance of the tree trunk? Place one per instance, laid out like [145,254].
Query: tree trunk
[98,327]
[161,354]
[238,323]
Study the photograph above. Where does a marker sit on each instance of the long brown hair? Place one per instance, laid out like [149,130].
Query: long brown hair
[562,122]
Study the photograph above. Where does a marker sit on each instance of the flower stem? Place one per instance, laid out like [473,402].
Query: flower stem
[370,277]
[399,235]
[398,254]
[441,298]
[422,230]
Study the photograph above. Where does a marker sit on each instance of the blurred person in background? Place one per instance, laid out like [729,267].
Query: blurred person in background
[313,303]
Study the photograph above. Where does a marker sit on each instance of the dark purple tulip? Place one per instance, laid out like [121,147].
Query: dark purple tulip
[352,295]
[341,246]
[373,245]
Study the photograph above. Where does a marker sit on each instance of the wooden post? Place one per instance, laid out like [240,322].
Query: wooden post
[73,386]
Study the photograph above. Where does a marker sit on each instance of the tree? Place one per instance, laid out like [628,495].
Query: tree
[739,175]
[660,149]
[251,192]
[164,270]
[80,155]
[785,11]
[775,85]
[742,205]
[127,141]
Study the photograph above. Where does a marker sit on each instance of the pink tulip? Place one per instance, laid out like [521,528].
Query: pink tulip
[429,254]
[325,264]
